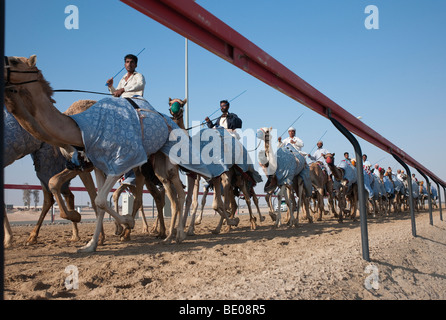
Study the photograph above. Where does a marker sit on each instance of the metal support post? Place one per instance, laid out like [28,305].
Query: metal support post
[428,187]
[409,181]
[360,182]
[439,200]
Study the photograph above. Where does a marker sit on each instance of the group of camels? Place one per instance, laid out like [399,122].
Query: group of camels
[28,98]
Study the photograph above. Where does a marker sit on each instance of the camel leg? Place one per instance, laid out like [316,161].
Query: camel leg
[176,207]
[354,202]
[181,196]
[136,190]
[320,203]
[247,193]
[88,182]
[69,200]
[203,203]
[159,198]
[189,197]
[104,187]
[116,195]
[269,201]
[48,202]
[218,206]
[55,185]
[196,188]
[279,213]
[7,242]
[256,203]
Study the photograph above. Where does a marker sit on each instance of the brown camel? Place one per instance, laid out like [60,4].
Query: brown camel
[29,97]
[266,160]
[193,182]
[321,181]
[343,193]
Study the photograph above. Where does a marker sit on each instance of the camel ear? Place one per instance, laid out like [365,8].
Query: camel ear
[333,154]
[184,101]
[32,60]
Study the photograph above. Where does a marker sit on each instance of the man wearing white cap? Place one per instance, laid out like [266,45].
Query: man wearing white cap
[292,139]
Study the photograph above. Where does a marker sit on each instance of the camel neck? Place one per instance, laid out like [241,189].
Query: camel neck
[38,113]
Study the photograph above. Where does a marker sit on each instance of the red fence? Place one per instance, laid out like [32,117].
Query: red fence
[195,23]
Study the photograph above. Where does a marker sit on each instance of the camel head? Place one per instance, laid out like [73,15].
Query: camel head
[21,77]
[176,107]
[329,158]
[20,71]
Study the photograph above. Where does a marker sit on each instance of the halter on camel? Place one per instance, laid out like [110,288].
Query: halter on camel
[8,83]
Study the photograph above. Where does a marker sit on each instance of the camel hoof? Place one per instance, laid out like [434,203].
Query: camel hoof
[31,240]
[168,240]
[181,236]
[74,238]
[262,218]
[7,243]
[125,236]
[88,248]
[215,231]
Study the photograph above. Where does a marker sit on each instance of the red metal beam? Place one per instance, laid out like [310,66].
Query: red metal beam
[198,25]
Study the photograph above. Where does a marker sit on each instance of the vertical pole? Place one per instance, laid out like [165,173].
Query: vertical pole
[361,188]
[409,181]
[431,221]
[2,147]
[439,200]
[186,71]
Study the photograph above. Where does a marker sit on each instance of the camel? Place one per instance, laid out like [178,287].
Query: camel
[48,161]
[321,181]
[29,100]
[346,189]
[378,202]
[269,163]
[399,191]
[225,179]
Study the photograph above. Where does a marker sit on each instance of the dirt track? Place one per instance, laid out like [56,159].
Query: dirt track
[322,260]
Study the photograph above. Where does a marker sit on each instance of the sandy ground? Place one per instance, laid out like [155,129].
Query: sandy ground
[322,260]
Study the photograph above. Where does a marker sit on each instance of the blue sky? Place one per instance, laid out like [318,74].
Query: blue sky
[394,77]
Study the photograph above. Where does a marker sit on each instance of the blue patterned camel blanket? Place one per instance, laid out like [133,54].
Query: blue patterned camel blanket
[48,161]
[117,137]
[288,167]
[349,174]
[18,142]
[220,151]
[368,183]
